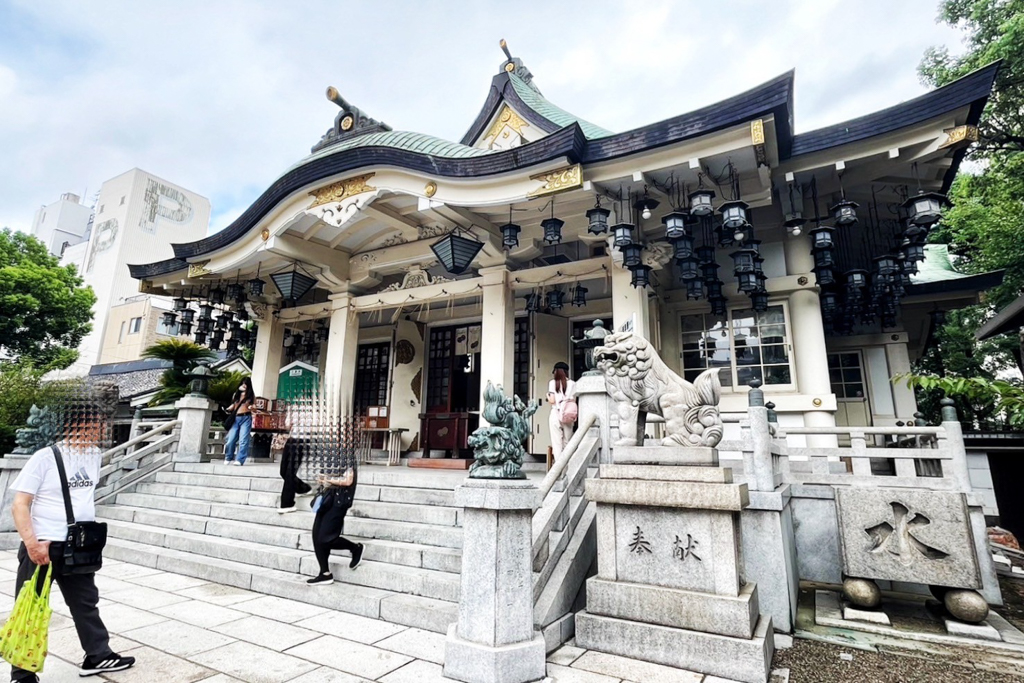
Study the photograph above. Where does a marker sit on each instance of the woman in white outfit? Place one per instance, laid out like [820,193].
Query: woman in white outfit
[561,390]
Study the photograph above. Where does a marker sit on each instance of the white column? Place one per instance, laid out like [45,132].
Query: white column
[339,377]
[904,401]
[497,331]
[266,361]
[628,302]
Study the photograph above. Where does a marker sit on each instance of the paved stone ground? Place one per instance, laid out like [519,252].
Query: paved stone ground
[183,629]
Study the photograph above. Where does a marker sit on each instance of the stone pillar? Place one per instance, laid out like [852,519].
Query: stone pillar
[266,361]
[494,639]
[628,302]
[195,413]
[904,400]
[592,399]
[339,376]
[10,467]
[497,329]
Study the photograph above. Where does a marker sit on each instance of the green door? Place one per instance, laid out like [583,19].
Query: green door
[297,380]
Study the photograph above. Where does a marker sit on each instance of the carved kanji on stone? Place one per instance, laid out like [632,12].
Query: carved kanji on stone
[639,544]
[898,537]
[681,551]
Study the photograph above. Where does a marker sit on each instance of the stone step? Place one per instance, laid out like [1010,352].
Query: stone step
[374,475]
[406,532]
[408,610]
[430,583]
[277,534]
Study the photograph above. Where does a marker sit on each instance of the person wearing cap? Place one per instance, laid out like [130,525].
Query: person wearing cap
[562,397]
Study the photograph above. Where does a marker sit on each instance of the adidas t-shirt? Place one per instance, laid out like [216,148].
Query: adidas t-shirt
[40,478]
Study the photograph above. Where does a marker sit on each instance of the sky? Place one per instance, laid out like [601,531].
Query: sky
[222,96]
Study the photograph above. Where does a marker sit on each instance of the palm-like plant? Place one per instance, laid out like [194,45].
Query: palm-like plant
[184,356]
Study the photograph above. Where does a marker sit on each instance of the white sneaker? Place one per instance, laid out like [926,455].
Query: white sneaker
[228,462]
[282,511]
[236,463]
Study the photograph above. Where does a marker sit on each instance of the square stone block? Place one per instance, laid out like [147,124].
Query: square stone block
[727,616]
[871,617]
[475,663]
[738,659]
[676,494]
[666,455]
[982,631]
[694,550]
[711,475]
[907,535]
[498,494]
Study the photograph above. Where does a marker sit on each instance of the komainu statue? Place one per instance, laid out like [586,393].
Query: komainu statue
[498,449]
[640,383]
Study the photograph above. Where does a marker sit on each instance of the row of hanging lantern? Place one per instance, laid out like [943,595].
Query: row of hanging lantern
[299,345]
[554,299]
[867,294]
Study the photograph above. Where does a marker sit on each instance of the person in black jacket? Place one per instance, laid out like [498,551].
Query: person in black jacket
[336,498]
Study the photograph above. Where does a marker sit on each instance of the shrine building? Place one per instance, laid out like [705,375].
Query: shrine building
[409,271]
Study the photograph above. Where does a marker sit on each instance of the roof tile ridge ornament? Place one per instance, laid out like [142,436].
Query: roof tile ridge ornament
[350,122]
[514,65]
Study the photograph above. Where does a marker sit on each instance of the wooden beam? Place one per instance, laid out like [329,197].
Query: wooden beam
[409,228]
[334,264]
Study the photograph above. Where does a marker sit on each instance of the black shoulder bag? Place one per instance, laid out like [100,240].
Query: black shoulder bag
[83,550]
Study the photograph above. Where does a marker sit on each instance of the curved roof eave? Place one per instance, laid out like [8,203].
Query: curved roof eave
[773,97]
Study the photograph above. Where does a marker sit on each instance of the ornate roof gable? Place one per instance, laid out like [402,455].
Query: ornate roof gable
[350,122]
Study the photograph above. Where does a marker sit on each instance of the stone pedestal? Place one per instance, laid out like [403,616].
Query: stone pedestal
[10,467]
[670,587]
[494,640]
[592,399]
[195,413]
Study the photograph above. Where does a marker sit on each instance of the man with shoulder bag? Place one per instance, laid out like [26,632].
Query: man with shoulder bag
[55,516]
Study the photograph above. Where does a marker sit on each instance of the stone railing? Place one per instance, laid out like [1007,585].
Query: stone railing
[137,458]
[562,528]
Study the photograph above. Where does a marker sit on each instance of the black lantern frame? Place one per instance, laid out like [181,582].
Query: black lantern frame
[682,247]
[552,229]
[925,208]
[180,303]
[597,220]
[169,318]
[640,276]
[579,295]
[734,214]
[188,315]
[510,235]
[844,213]
[748,282]
[822,237]
[702,202]
[622,234]
[554,299]
[235,292]
[676,224]
[824,276]
[216,296]
[694,289]
[533,303]
[455,252]
[632,254]
[718,305]
[759,300]
[293,284]
[689,268]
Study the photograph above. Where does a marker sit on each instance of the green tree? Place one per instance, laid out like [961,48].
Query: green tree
[184,356]
[19,389]
[44,309]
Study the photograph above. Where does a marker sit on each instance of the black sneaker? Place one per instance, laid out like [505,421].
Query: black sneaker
[101,665]
[321,580]
[357,555]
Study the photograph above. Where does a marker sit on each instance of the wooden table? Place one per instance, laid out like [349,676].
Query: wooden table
[393,442]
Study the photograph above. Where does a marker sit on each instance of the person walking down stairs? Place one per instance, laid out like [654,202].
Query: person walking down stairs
[241,428]
[331,505]
[291,458]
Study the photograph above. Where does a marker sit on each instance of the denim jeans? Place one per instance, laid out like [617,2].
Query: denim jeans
[238,436]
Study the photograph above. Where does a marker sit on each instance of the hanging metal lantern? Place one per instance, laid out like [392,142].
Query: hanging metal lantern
[844,213]
[455,252]
[886,266]
[823,258]
[759,300]
[856,279]
[822,237]
[579,295]
[216,296]
[714,288]
[925,208]
[180,303]
[824,276]
[829,302]
[748,282]
[204,325]
[718,305]
[597,220]
[913,251]
[185,328]
[622,234]
[694,289]
[216,339]
[242,314]
[682,247]
[188,315]
[734,214]
[708,271]
[701,202]
[725,236]
[234,292]
[206,311]
[510,235]
[255,287]
[322,333]
[169,318]
[632,254]
[554,299]
[552,230]
[675,224]
[222,320]
[231,346]
[533,303]
[200,338]
[293,284]
[689,268]
[641,276]
[743,261]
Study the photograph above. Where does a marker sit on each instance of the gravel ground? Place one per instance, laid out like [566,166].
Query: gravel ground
[813,662]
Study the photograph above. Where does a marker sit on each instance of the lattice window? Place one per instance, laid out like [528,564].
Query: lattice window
[846,375]
[521,359]
[372,366]
[439,368]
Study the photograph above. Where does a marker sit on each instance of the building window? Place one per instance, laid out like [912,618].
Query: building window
[372,369]
[164,328]
[747,345]
[846,375]
[135,326]
[120,335]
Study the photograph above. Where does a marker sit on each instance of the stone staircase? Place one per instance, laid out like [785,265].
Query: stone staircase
[221,524]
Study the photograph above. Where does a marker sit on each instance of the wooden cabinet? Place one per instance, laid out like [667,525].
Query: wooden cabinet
[447,432]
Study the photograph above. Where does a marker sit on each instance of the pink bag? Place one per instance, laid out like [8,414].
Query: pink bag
[569,412]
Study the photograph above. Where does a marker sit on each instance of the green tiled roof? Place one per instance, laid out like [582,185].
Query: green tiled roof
[936,267]
[561,118]
[412,142]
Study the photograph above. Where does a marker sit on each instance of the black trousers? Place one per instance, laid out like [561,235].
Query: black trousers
[80,594]
[327,527]
[290,460]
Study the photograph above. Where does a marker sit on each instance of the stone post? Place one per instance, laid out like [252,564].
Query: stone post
[494,639]
[342,345]
[195,413]
[592,399]
[497,327]
[761,476]
[10,467]
[266,361]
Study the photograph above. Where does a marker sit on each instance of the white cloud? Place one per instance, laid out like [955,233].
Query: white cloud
[222,97]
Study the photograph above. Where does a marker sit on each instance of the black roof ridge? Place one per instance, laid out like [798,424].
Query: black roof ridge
[970,88]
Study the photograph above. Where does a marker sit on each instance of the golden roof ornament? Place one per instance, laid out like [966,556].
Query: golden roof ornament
[350,122]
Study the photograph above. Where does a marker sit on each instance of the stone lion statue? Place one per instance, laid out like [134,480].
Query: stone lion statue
[640,383]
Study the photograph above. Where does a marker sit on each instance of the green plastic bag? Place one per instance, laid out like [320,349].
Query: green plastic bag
[23,639]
